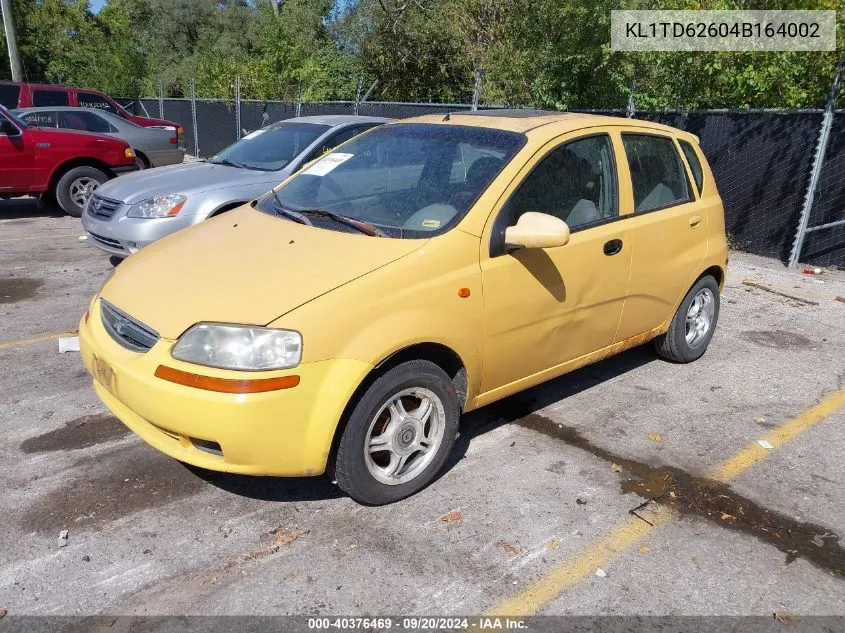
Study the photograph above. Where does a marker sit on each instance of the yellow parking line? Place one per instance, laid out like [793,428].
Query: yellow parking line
[40,237]
[623,537]
[33,341]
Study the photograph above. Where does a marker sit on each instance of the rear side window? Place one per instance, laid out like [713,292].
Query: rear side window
[657,173]
[46,98]
[87,121]
[9,95]
[694,164]
[42,118]
[91,100]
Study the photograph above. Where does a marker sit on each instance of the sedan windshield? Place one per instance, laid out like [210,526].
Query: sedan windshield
[402,180]
[271,148]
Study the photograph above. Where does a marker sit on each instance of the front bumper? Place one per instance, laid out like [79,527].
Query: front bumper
[121,235]
[282,433]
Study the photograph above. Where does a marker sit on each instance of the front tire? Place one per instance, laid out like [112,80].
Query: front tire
[693,325]
[399,434]
[75,186]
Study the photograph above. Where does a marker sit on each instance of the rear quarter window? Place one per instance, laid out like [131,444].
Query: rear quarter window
[91,100]
[46,98]
[694,164]
[44,118]
[9,96]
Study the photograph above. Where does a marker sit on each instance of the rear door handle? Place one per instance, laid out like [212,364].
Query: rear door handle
[612,247]
[695,220]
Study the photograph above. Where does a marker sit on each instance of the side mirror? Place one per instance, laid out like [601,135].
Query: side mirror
[7,128]
[537,230]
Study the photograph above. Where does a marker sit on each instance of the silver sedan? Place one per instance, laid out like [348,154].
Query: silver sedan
[133,211]
[154,146]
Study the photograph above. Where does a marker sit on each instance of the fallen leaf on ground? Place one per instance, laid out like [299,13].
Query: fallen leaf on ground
[553,544]
[452,517]
[760,420]
[290,575]
[786,617]
[655,437]
[616,468]
[352,546]
[209,581]
[644,549]
[508,548]
[728,517]
[284,538]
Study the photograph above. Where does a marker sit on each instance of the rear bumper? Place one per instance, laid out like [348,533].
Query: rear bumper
[124,169]
[160,159]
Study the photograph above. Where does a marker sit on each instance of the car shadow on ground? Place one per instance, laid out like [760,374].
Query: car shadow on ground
[26,208]
[473,425]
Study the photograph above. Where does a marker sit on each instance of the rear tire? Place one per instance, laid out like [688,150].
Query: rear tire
[399,434]
[693,325]
[75,185]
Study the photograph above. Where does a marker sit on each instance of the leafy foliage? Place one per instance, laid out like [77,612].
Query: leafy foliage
[547,53]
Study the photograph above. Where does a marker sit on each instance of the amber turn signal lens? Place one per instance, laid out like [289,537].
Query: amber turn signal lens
[225,385]
[176,209]
[463,293]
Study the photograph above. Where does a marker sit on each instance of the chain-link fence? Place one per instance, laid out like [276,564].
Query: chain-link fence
[763,161]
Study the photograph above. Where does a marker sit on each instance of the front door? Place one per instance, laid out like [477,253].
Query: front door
[16,159]
[544,307]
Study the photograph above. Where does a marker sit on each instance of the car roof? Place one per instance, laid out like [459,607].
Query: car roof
[66,109]
[335,119]
[524,120]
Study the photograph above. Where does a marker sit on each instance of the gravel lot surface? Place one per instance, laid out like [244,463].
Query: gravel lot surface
[536,498]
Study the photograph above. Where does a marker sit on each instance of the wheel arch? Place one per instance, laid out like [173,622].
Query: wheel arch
[66,166]
[143,157]
[441,355]
[228,206]
[717,272]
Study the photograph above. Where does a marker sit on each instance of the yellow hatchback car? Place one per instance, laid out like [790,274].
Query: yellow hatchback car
[429,267]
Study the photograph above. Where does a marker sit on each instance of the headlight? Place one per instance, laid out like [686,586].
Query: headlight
[158,206]
[239,347]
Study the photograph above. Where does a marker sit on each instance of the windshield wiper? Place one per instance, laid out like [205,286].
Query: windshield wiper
[289,213]
[363,227]
[232,163]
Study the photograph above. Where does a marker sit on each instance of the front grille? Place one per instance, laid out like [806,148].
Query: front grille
[106,241]
[102,208]
[125,330]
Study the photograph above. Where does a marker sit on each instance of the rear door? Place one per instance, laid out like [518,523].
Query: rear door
[667,231]
[85,121]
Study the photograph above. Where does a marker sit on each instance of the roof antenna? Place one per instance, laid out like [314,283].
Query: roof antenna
[446,118]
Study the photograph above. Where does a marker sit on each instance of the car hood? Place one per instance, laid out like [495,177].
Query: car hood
[186,178]
[242,267]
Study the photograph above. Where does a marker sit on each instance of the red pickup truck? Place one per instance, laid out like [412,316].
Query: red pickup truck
[63,166]
[15,95]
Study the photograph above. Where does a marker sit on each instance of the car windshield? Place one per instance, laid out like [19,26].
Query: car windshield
[271,148]
[407,180]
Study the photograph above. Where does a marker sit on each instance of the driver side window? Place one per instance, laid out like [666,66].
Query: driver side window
[575,182]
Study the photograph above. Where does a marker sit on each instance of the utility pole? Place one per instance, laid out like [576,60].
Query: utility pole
[11,40]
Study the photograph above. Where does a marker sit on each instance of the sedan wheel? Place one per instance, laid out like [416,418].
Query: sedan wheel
[398,435]
[404,436]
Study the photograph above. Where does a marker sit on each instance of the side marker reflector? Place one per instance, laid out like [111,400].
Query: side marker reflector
[225,385]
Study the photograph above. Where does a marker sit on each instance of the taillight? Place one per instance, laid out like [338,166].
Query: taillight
[174,141]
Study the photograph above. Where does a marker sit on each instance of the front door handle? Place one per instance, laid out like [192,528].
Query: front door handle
[612,247]
[694,221]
